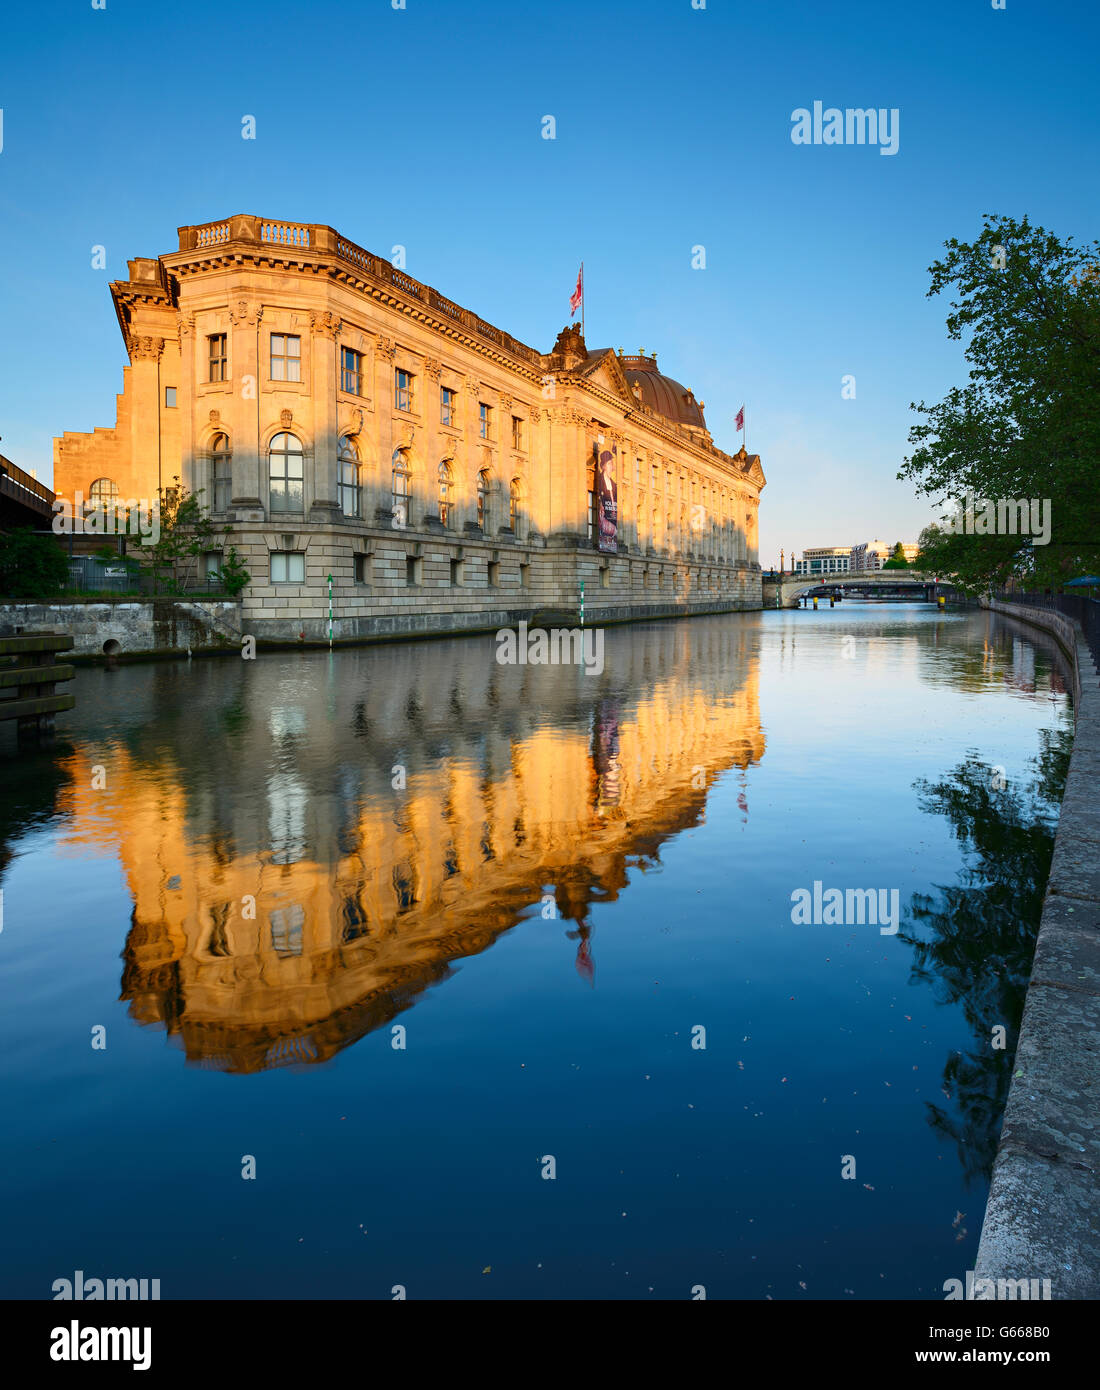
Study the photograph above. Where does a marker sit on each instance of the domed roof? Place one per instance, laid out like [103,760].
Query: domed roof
[661,393]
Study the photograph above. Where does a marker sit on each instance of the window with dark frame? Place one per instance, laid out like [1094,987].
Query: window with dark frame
[286,357]
[351,371]
[517,432]
[485,418]
[219,360]
[446,406]
[402,393]
[285,473]
[221,468]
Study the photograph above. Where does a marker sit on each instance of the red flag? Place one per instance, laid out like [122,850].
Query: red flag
[739,423]
[576,298]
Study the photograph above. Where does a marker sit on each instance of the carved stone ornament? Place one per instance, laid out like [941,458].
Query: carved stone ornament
[215,417]
[185,324]
[387,348]
[535,414]
[433,367]
[245,313]
[324,323]
[146,348]
[286,418]
[505,402]
[473,388]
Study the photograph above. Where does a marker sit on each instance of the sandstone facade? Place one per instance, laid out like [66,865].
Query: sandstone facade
[346,420]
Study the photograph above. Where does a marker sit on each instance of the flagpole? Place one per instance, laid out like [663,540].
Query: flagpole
[582,299]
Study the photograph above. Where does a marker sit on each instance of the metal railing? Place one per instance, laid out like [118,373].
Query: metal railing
[18,483]
[1085,611]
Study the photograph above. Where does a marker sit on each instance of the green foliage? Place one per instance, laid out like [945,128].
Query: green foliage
[185,532]
[32,567]
[232,574]
[1027,423]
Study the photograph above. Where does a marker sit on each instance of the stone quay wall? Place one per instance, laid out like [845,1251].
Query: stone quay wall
[1043,1215]
[134,627]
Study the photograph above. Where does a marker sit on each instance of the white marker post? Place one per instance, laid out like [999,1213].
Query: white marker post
[330,612]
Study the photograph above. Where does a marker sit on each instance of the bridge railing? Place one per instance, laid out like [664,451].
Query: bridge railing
[17,483]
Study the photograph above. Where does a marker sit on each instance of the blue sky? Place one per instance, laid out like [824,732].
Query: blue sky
[421,127]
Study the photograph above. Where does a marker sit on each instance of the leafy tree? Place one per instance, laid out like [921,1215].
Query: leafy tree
[1027,423]
[32,566]
[897,560]
[232,574]
[186,530]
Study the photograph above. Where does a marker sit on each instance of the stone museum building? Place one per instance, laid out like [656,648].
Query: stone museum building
[344,419]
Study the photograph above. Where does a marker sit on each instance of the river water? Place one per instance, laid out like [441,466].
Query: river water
[397,968]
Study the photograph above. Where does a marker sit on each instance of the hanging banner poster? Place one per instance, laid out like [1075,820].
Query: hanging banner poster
[607,500]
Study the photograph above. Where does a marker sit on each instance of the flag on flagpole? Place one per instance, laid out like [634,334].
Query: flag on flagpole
[739,423]
[576,299]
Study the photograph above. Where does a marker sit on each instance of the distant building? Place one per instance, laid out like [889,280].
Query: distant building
[872,555]
[823,559]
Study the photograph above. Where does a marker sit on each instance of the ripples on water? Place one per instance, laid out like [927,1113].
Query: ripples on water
[411,923]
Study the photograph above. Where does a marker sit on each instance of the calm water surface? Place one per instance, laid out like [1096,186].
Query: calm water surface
[402,924]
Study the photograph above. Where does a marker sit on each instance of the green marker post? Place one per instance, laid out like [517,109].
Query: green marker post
[330,612]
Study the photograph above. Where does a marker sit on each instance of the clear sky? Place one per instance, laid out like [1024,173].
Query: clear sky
[422,127]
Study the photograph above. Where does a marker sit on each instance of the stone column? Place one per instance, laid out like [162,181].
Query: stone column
[192,471]
[145,353]
[384,351]
[325,329]
[242,410]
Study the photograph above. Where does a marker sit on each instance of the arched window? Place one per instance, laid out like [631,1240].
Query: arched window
[101,491]
[484,493]
[221,472]
[446,493]
[348,485]
[516,518]
[285,473]
[400,488]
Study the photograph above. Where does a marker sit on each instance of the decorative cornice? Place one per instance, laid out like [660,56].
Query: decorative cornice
[324,324]
[245,313]
[146,349]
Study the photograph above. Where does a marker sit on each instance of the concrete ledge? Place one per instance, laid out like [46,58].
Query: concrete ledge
[1042,1219]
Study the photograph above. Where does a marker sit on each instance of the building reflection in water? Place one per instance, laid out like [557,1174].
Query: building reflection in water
[310,841]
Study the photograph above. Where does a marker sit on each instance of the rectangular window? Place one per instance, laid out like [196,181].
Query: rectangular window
[517,432]
[653,478]
[351,371]
[170,397]
[288,567]
[402,393]
[361,572]
[493,569]
[485,419]
[286,357]
[592,516]
[525,576]
[412,569]
[456,571]
[211,564]
[446,406]
[218,357]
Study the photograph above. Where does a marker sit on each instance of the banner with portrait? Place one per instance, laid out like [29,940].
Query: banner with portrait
[607,497]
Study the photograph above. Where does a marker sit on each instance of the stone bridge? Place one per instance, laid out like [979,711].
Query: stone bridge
[785,591]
